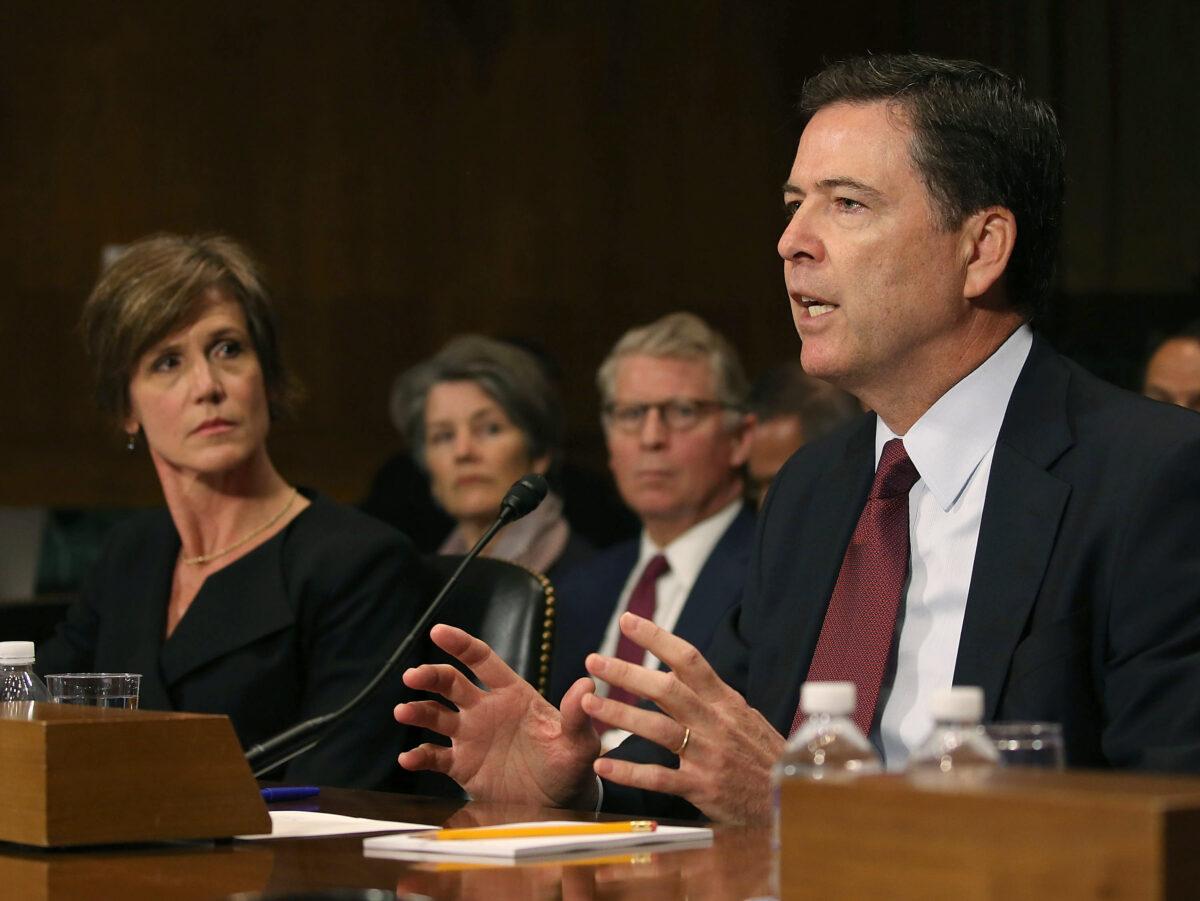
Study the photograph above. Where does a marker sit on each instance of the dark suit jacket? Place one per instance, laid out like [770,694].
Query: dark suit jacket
[577,552]
[294,628]
[588,594]
[1084,605]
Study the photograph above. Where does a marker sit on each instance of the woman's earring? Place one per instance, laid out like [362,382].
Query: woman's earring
[131,443]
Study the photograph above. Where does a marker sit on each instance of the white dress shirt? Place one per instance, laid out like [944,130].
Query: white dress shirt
[952,446]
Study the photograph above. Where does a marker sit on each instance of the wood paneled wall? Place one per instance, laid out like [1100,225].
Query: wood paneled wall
[410,170]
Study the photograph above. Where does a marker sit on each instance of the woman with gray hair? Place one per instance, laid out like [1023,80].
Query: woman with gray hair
[477,416]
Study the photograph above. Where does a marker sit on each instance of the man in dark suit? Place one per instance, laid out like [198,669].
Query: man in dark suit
[1039,535]
[673,395]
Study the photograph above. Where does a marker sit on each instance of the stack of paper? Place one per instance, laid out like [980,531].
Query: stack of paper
[424,845]
[311,823]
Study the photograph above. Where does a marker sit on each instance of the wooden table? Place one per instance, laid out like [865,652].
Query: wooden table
[737,866]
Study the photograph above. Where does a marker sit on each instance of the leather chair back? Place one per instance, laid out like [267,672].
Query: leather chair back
[506,605]
[34,619]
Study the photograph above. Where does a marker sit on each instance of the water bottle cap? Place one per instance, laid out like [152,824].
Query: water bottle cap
[962,703]
[833,698]
[16,653]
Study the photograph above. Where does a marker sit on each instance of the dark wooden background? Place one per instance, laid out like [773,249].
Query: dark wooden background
[555,170]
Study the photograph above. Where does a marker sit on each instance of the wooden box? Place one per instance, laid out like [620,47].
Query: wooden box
[178,873]
[1008,834]
[84,775]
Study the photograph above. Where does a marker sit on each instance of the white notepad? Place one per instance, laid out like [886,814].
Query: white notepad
[522,848]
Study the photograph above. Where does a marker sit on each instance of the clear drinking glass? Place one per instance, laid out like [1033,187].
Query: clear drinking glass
[95,689]
[1029,744]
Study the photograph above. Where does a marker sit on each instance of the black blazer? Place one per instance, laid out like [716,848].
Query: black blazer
[588,594]
[292,629]
[1084,604]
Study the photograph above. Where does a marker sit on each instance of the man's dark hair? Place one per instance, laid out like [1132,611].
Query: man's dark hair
[979,141]
[787,390]
[1190,330]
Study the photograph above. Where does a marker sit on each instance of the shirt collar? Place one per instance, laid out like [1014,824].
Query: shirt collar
[948,442]
[688,553]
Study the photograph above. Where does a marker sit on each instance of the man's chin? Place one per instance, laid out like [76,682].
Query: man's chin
[653,507]
[820,365]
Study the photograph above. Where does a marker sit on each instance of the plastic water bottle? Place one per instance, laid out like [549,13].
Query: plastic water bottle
[958,744]
[828,745]
[18,681]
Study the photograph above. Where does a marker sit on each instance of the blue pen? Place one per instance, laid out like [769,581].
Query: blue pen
[290,793]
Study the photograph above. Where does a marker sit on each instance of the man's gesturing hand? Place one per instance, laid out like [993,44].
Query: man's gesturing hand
[725,768]
[507,742]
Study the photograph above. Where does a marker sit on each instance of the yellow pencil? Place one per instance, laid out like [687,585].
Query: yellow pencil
[445,835]
[639,858]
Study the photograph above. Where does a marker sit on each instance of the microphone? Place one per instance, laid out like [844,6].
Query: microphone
[523,497]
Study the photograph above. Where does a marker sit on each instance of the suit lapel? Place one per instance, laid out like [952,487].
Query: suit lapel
[237,605]
[1021,516]
[719,584]
[817,545]
[584,614]
[147,620]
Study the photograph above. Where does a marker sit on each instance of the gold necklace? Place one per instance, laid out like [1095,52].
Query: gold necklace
[201,559]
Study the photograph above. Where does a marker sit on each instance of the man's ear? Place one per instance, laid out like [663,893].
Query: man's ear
[990,236]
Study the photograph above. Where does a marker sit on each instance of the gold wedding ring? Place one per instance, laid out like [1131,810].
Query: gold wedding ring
[687,736]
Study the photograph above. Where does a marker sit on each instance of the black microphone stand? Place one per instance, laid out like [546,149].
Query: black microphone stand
[279,749]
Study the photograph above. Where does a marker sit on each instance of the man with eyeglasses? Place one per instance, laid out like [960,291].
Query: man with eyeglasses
[673,394]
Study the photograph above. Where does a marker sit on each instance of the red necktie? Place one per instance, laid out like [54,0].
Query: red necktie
[641,602]
[856,637]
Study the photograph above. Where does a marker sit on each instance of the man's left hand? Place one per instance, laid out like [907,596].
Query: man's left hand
[725,767]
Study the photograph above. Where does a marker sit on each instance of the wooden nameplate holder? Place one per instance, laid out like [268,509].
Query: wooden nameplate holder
[85,776]
[1011,834]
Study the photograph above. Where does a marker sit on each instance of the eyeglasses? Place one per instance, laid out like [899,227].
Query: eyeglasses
[678,414]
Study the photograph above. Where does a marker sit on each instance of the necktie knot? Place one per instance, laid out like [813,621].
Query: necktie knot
[643,601]
[896,473]
[656,567]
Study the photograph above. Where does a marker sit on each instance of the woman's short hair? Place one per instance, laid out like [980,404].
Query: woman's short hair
[511,376]
[682,336]
[156,287]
